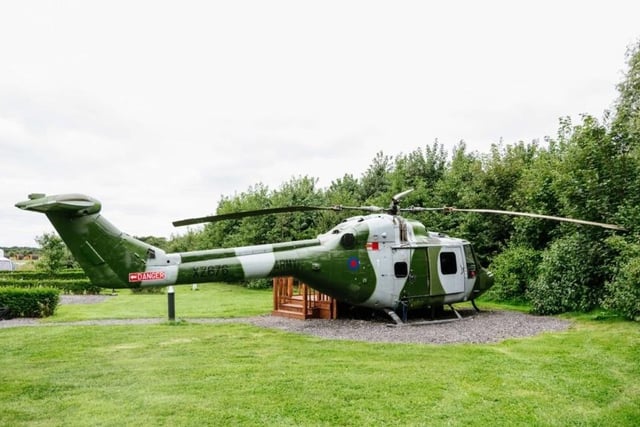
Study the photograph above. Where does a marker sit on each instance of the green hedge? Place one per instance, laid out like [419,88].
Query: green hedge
[66,286]
[75,274]
[81,286]
[67,281]
[36,302]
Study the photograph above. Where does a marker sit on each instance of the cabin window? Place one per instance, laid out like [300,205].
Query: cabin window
[401,269]
[448,263]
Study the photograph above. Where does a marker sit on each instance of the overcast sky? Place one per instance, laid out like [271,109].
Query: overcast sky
[159,108]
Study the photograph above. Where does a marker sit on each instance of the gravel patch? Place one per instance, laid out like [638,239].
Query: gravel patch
[12,323]
[483,327]
[473,328]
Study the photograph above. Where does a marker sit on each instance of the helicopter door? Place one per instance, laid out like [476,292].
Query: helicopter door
[447,270]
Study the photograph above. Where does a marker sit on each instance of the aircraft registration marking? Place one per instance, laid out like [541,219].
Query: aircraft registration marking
[210,271]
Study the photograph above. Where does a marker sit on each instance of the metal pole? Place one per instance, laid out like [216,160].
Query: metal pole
[171,300]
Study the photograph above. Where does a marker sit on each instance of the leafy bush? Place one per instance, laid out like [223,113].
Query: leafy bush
[258,284]
[151,290]
[513,270]
[54,253]
[36,302]
[623,292]
[571,276]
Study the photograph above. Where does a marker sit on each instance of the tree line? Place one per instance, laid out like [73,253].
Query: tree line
[590,170]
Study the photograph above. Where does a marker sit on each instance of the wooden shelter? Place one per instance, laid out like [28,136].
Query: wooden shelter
[292,298]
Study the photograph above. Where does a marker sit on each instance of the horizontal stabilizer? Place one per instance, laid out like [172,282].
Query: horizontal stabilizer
[75,204]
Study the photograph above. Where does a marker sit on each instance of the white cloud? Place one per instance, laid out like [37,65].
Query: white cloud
[159,108]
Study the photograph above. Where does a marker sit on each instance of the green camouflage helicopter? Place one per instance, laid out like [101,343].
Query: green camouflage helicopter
[380,260]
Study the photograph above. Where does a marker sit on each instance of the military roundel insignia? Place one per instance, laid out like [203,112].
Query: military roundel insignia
[353,263]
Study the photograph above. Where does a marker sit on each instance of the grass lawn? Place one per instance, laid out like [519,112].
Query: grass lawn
[210,300]
[237,374]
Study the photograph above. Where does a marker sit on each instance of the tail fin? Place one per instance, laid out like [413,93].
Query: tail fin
[106,254]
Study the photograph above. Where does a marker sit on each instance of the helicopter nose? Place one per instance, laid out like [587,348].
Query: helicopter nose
[484,281]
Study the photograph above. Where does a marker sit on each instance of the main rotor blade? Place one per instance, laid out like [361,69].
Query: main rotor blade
[245,214]
[373,209]
[525,214]
[267,211]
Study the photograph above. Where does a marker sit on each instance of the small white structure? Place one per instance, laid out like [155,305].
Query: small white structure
[5,263]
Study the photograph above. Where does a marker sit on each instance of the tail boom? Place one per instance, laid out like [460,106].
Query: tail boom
[113,259]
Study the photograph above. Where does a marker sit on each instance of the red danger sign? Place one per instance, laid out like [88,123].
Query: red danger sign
[146,275]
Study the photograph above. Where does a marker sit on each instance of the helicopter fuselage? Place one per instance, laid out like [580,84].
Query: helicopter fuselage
[379,261]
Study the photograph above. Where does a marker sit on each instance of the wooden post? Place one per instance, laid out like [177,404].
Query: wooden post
[289,286]
[276,291]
